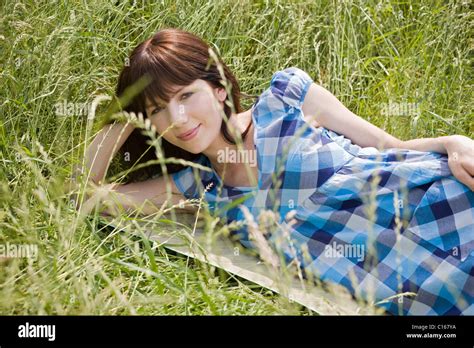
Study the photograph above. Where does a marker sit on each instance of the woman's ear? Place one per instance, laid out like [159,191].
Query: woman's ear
[221,94]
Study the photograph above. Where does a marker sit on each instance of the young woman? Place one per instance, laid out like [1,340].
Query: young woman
[381,216]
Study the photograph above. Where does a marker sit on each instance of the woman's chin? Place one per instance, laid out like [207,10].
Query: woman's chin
[194,151]
[194,148]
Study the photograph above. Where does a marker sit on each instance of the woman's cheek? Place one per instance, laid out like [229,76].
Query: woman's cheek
[160,125]
[196,103]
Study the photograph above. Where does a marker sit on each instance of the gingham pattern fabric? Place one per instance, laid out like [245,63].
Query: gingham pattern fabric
[380,222]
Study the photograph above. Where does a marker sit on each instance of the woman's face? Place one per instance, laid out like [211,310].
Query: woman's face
[197,107]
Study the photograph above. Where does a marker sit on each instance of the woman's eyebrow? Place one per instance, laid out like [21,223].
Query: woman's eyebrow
[162,104]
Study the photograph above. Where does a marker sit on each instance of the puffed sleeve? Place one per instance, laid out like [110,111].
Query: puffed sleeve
[282,101]
[291,85]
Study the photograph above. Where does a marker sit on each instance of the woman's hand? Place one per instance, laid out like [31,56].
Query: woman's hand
[460,150]
[93,196]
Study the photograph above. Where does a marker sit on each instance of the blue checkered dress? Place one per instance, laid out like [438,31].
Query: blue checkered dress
[393,226]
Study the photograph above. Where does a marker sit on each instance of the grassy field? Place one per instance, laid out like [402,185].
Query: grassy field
[402,65]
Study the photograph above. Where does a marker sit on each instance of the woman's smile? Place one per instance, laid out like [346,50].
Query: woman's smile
[190,134]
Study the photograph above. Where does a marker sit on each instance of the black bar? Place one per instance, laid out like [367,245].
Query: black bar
[242,330]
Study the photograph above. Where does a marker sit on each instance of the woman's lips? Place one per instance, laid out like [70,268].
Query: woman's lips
[191,134]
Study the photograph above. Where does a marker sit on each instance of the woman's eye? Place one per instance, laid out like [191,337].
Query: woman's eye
[155,111]
[187,95]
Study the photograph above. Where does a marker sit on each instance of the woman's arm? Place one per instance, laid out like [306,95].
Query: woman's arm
[145,198]
[426,144]
[322,108]
[104,147]
[98,156]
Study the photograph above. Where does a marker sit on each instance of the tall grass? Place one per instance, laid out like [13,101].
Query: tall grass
[368,53]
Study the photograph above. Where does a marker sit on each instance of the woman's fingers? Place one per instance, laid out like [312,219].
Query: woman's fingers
[460,151]
[468,165]
[462,175]
[95,196]
[86,208]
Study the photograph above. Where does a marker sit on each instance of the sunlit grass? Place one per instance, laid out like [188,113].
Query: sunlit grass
[368,53]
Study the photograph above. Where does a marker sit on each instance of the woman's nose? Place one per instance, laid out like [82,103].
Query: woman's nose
[178,114]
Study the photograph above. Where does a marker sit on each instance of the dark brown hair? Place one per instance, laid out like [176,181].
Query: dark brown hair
[171,58]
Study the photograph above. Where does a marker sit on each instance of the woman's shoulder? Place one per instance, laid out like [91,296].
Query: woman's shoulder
[284,97]
[290,72]
[291,85]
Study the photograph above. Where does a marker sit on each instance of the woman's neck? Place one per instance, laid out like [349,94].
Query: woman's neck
[230,158]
